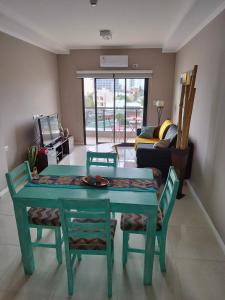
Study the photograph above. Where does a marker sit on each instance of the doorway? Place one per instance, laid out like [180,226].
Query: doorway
[114,109]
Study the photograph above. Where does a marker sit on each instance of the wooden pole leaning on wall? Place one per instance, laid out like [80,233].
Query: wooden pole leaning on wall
[181,153]
[179,126]
[185,109]
[189,101]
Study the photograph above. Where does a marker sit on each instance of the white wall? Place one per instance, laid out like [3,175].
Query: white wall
[3,164]
[207,50]
[28,86]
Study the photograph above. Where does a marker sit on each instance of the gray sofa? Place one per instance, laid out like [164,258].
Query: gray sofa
[148,156]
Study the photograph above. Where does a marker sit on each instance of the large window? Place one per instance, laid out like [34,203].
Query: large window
[114,109]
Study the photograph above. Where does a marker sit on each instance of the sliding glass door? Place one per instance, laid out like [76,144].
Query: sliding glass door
[114,109]
[105,110]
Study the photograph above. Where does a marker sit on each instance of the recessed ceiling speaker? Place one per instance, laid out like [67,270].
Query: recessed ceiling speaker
[93,2]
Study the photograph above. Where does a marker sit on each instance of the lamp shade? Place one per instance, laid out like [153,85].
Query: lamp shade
[159,103]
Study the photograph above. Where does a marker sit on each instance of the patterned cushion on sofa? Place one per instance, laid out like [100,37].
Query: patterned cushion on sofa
[44,216]
[172,135]
[137,222]
[91,243]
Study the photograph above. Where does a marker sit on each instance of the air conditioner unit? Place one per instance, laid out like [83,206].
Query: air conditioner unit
[114,61]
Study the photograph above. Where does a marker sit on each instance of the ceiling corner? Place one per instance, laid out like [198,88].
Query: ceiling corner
[200,14]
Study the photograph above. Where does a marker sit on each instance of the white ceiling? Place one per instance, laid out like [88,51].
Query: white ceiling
[61,25]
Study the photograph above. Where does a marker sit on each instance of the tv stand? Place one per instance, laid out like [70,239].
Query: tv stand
[56,152]
[59,140]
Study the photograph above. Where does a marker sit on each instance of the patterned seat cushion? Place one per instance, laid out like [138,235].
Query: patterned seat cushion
[91,243]
[137,222]
[44,216]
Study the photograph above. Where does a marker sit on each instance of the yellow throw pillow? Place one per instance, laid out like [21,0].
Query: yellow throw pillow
[163,128]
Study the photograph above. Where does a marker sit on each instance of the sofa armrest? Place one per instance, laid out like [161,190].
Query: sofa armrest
[154,158]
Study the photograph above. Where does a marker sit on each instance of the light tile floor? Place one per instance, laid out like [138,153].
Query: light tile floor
[195,262]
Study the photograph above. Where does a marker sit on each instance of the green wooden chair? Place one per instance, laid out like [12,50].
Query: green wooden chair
[39,218]
[87,229]
[93,159]
[136,223]
[110,159]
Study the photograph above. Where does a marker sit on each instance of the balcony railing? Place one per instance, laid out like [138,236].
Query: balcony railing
[110,119]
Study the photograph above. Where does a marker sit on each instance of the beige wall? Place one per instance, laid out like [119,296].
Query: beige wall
[28,86]
[161,85]
[207,50]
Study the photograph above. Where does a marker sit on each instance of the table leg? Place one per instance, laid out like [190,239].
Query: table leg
[24,238]
[150,247]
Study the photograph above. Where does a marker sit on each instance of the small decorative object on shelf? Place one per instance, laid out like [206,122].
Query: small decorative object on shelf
[66,132]
[61,130]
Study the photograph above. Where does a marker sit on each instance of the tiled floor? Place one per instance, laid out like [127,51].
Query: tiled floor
[195,262]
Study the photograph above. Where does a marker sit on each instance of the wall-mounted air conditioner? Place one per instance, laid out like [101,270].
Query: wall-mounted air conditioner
[114,61]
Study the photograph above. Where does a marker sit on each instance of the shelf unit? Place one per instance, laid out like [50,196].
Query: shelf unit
[55,154]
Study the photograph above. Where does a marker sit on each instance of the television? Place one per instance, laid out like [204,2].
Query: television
[49,129]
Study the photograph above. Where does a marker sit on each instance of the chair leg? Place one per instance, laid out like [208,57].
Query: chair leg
[69,271]
[109,274]
[39,233]
[162,254]
[112,252]
[79,256]
[125,247]
[58,244]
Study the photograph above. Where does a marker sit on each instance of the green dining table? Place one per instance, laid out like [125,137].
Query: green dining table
[123,201]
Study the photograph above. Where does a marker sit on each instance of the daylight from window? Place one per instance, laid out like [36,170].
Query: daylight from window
[113,111]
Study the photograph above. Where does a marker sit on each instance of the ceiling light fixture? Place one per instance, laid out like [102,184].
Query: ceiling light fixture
[106,34]
[93,2]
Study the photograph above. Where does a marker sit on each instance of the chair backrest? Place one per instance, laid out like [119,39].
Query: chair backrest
[93,219]
[18,177]
[110,159]
[168,196]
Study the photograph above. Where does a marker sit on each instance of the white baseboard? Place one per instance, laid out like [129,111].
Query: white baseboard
[3,192]
[216,233]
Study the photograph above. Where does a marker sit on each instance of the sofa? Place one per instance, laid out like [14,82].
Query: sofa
[158,134]
[161,158]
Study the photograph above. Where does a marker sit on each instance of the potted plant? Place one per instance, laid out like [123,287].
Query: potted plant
[32,157]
